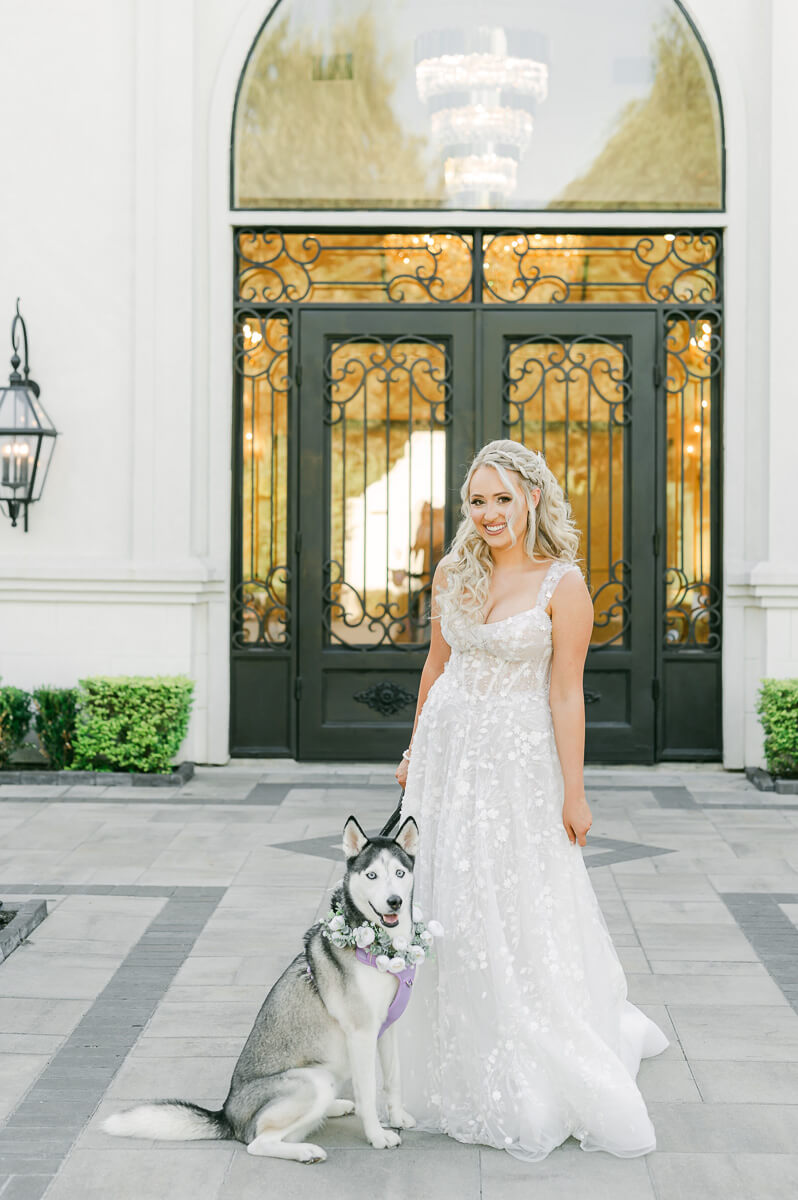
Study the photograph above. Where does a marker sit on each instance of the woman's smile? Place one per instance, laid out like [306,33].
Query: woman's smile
[495,527]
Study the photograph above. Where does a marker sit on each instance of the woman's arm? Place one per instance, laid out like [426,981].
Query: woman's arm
[572,625]
[437,656]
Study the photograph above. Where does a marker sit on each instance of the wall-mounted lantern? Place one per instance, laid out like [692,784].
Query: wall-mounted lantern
[27,436]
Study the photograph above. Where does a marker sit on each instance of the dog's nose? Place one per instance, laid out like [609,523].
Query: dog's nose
[394,902]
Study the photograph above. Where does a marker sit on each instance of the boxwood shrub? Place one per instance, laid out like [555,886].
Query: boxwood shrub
[55,719]
[131,723]
[778,713]
[15,715]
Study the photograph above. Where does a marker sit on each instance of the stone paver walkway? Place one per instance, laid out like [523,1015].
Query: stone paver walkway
[171,915]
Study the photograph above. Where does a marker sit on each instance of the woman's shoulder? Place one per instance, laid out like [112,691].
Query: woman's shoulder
[565,566]
[444,563]
[566,584]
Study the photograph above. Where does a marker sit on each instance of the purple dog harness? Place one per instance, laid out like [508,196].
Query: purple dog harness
[404,981]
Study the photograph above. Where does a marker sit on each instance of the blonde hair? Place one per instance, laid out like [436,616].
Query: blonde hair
[551,534]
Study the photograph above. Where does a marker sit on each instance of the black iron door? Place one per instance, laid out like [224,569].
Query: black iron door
[386,429]
[368,367]
[579,387]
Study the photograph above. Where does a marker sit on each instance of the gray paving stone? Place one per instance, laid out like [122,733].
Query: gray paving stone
[704,989]
[718,942]
[725,1128]
[29,1164]
[709,1176]
[738,1033]
[189,1047]
[49,1015]
[26,1187]
[406,1171]
[124,1173]
[663,1078]
[750,1082]
[143,1078]
[709,963]
[566,1174]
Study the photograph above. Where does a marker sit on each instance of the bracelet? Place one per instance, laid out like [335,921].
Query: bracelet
[406,754]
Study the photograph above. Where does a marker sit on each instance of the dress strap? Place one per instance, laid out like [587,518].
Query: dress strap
[552,577]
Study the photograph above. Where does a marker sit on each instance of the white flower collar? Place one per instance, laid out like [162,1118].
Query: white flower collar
[392,953]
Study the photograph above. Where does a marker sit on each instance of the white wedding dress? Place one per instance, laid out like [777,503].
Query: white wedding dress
[519,1032]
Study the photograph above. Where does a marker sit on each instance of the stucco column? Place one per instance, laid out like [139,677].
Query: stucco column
[773,619]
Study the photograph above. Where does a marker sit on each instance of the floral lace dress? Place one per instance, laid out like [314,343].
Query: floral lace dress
[519,1033]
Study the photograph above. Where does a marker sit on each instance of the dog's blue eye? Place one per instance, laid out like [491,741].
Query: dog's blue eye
[371,874]
[400,873]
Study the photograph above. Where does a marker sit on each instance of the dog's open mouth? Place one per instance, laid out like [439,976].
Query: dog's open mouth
[389,919]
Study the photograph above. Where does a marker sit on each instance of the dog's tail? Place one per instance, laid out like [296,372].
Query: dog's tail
[169,1121]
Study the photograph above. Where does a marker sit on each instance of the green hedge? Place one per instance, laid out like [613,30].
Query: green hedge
[14,720]
[131,723]
[55,720]
[778,714]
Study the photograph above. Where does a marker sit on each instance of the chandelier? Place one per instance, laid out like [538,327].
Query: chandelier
[481,98]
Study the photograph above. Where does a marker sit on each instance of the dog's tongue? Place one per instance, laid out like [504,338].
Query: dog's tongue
[391,918]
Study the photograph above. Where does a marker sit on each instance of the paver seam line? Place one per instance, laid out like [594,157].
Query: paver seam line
[765,806]
[654,1190]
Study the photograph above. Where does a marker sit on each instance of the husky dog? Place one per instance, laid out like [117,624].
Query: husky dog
[318,1027]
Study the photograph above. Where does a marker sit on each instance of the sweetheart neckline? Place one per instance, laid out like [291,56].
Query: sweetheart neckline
[537,605]
[523,612]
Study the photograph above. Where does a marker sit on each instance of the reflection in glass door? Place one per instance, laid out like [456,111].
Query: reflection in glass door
[387,411]
[580,388]
[570,399]
[386,427]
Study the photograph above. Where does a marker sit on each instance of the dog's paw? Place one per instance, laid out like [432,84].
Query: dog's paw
[308,1153]
[341,1108]
[383,1139]
[401,1119]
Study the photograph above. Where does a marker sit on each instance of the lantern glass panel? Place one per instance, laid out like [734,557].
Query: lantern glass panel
[27,439]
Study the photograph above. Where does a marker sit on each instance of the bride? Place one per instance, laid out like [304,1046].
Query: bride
[520,1034]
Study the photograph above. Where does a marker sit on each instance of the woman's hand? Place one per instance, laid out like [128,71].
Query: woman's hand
[577,819]
[401,773]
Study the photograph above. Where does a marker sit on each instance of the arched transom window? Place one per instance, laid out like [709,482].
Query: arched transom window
[455,104]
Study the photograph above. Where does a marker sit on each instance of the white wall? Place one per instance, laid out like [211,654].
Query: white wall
[114,229]
[98,236]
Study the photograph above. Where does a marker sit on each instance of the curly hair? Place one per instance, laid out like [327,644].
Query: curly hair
[468,565]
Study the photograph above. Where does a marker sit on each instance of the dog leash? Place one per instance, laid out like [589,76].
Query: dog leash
[393,820]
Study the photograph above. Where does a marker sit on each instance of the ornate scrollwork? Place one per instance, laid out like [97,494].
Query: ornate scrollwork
[615,595]
[685,270]
[693,354]
[565,361]
[260,614]
[428,276]
[386,623]
[527,275]
[274,266]
[261,345]
[563,268]
[385,698]
[390,362]
[693,347]
[692,615]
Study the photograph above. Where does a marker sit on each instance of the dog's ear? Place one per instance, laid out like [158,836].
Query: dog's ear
[407,837]
[354,838]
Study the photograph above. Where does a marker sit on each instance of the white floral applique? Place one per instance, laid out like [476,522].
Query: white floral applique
[515,1036]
